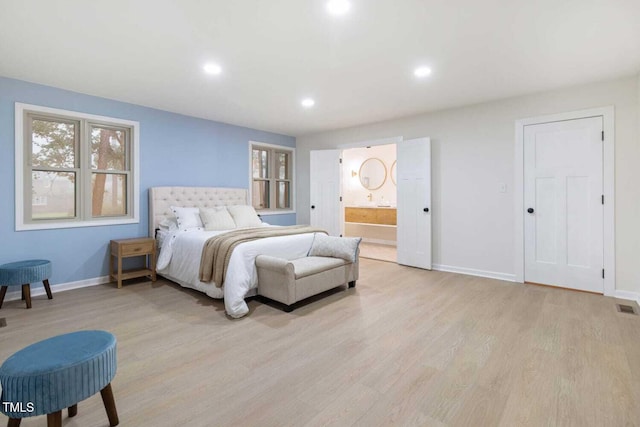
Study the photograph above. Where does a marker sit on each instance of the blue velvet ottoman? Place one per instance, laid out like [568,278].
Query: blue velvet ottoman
[24,273]
[57,373]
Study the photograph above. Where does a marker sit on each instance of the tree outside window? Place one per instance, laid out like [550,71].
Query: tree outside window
[77,169]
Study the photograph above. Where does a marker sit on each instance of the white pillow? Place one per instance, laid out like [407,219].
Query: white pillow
[187,218]
[168,224]
[244,216]
[336,247]
[217,219]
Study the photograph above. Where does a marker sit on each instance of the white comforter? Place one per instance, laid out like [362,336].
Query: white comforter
[179,260]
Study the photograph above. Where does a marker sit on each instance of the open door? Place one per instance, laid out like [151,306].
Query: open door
[324,176]
[414,203]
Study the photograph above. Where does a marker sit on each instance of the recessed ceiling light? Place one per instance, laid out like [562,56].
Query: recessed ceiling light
[422,71]
[338,7]
[308,103]
[212,68]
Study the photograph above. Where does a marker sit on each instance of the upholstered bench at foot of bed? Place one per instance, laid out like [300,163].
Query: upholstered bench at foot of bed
[290,281]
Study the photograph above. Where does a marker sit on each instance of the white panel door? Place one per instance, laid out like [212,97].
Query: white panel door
[563,215]
[324,175]
[414,202]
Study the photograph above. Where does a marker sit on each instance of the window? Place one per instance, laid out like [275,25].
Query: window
[74,169]
[271,177]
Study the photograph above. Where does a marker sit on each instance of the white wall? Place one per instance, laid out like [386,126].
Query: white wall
[473,152]
[353,191]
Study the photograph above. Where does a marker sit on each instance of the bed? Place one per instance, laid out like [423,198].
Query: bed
[180,251]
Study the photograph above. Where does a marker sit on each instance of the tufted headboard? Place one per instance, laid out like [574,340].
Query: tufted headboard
[162,198]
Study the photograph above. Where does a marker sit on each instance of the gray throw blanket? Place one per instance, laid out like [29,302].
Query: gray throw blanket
[218,249]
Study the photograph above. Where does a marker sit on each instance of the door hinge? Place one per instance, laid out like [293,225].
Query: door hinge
[603,199]
[602,135]
[603,273]
[340,198]
[341,159]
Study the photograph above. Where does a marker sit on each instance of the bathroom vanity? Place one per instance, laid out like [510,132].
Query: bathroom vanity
[371,215]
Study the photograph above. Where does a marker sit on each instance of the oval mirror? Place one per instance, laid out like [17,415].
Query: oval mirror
[373,173]
[393,172]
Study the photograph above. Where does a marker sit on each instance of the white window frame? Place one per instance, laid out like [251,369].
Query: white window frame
[22,223]
[273,147]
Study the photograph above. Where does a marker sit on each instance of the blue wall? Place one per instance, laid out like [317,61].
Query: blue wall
[174,150]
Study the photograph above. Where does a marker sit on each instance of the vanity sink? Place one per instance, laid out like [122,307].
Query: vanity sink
[373,205]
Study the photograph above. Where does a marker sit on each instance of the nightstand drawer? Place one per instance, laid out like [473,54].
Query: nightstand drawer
[136,248]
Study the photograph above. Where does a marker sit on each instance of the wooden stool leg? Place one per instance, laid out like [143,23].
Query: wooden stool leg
[73,410]
[54,419]
[47,288]
[27,294]
[3,291]
[110,405]
[14,422]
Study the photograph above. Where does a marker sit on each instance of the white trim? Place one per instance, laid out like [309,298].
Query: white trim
[473,272]
[293,177]
[60,287]
[76,114]
[19,169]
[75,224]
[382,141]
[628,295]
[135,152]
[608,121]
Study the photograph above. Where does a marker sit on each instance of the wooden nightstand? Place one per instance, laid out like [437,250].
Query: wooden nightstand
[124,248]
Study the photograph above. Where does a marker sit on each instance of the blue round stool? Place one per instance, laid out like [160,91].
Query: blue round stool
[57,373]
[24,273]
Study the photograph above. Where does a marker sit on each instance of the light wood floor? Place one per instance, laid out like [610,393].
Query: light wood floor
[378,251]
[405,347]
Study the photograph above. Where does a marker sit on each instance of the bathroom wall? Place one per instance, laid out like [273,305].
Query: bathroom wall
[353,192]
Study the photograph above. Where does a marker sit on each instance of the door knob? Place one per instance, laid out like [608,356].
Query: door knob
[425,210]
[530,210]
[313,206]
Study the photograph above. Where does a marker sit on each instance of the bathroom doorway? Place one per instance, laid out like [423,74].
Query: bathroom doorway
[370,199]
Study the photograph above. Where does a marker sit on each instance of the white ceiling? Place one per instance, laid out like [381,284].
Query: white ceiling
[358,68]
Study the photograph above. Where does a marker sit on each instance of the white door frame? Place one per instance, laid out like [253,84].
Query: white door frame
[371,143]
[608,120]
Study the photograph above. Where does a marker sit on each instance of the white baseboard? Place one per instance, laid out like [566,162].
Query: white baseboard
[473,272]
[621,294]
[60,287]
[628,295]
